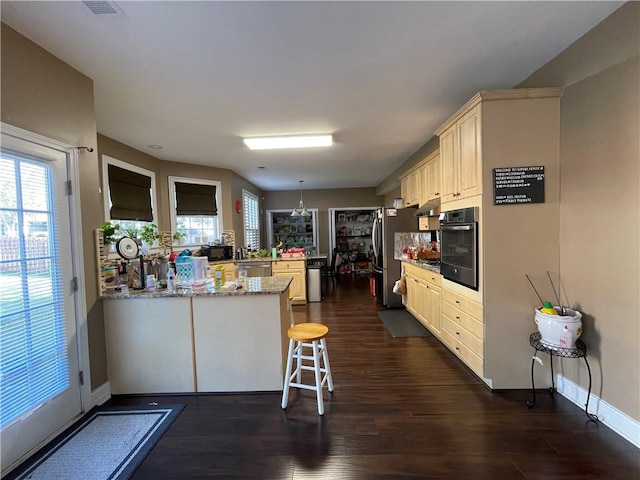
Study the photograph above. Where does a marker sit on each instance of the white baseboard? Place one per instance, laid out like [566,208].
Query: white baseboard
[618,421]
[101,394]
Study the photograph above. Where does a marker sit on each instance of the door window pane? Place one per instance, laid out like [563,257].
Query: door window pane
[33,350]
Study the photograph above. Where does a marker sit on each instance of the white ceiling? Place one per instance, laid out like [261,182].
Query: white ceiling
[195,77]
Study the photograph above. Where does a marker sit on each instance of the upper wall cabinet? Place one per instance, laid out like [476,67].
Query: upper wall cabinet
[432,178]
[411,188]
[422,182]
[460,157]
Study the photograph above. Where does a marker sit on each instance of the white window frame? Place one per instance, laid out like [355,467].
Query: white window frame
[106,161]
[197,181]
[247,194]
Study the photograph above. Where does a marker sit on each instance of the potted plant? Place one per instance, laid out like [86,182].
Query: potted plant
[110,232]
[180,234]
[131,231]
[149,233]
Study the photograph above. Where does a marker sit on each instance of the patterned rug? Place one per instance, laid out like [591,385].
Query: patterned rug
[107,443]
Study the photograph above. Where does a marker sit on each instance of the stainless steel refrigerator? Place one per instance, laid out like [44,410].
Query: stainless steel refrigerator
[388,221]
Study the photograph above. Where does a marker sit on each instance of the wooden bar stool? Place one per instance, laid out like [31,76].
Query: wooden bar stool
[307,335]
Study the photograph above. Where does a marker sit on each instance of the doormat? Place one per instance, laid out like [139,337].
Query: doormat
[107,443]
[401,323]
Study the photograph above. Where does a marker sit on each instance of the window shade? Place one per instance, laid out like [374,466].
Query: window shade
[130,194]
[194,199]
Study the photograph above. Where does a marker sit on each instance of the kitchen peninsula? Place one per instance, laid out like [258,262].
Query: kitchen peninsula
[216,340]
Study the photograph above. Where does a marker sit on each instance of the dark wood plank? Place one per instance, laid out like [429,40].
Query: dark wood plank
[402,408]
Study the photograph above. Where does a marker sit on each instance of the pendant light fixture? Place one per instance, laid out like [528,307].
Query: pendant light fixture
[300,211]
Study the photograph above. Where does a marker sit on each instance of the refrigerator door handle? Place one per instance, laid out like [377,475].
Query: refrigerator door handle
[374,236]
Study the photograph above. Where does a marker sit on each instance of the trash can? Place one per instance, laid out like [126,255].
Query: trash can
[314,285]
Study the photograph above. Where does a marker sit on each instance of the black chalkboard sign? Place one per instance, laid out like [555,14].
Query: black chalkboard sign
[518,185]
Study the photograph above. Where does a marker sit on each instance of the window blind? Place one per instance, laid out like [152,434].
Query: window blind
[33,352]
[195,199]
[251,220]
[130,194]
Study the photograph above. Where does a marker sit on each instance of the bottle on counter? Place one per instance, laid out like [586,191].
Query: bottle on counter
[171,281]
[218,276]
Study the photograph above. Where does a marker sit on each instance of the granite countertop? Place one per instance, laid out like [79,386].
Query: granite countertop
[267,259]
[423,264]
[253,286]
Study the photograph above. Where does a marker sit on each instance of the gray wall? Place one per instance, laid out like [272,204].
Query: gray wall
[599,199]
[44,95]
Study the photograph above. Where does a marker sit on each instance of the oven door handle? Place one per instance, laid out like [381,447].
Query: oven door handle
[456,227]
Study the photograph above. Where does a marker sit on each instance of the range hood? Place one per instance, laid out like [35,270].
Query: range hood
[429,209]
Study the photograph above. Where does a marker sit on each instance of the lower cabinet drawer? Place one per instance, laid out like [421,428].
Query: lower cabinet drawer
[470,307]
[462,335]
[294,264]
[464,320]
[467,356]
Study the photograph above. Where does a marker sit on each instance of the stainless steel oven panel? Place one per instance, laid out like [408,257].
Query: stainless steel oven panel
[459,247]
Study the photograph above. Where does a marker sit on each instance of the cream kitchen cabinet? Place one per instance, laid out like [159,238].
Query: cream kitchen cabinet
[463,329]
[423,295]
[413,297]
[422,182]
[298,270]
[460,157]
[433,305]
[489,328]
[410,188]
[432,178]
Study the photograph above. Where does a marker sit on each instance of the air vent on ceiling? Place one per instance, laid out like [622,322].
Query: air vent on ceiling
[103,7]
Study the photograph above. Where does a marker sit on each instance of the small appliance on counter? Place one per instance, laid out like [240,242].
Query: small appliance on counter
[217,252]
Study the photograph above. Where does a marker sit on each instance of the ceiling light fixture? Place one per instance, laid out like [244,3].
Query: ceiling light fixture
[293,141]
[300,211]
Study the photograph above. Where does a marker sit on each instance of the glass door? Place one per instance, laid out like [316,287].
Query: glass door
[39,361]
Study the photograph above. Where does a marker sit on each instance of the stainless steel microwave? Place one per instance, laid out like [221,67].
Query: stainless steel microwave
[459,246]
[217,252]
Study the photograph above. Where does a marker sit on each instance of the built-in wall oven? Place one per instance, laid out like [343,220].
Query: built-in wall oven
[459,246]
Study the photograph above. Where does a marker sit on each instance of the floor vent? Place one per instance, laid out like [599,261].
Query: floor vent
[103,7]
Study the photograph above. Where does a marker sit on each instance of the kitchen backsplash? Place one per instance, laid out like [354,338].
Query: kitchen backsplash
[414,240]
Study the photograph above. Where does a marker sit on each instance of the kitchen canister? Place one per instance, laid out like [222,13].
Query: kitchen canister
[184,269]
[110,276]
[561,330]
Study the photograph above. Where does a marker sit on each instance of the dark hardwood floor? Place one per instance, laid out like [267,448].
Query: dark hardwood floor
[401,408]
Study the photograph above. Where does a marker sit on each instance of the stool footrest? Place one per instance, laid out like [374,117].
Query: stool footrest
[304,386]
